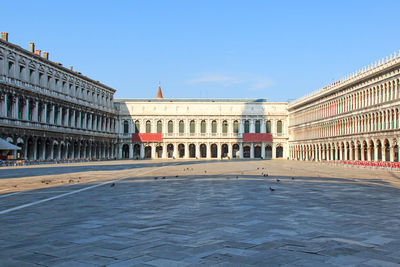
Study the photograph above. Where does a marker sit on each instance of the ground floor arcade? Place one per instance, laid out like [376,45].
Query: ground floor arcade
[368,149]
[206,150]
[39,147]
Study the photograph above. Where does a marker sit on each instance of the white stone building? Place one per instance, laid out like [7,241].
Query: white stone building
[356,118]
[202,128]
[52,112]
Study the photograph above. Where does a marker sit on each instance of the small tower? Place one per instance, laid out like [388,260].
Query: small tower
[159,93]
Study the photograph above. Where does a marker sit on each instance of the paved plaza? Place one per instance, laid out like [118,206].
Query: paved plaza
[199,213]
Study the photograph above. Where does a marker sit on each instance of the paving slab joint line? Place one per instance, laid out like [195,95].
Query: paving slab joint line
[70,193]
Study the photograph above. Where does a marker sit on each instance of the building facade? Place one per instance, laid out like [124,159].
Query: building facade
[52,112]
[202,128]
[356,118]
[55,113]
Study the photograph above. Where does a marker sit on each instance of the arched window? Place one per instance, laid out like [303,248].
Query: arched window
[148,127]
[279,127]
[159,127]
[235,126]
[192,127]
[203,126]
[258,127]
[214,126]
[126,127]
[181,127]
[224,127]
[137,127]
[246,126]
[170,127]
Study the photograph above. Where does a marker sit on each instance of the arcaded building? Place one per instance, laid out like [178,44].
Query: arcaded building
[50,111]
[356,118]
[201,128]
[56,113]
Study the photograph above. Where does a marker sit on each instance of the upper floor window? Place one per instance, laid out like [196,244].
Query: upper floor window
[258,126]
[279,127]
[246,126]
[137,127]
[235,126]
[126,127]
[224,127]
[148,127]
[159,127]
[268,127]
[203,126]
[170,127]
[214,126]
[181,127]
[192,127]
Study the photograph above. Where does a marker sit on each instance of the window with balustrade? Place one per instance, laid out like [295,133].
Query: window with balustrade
[246,126]
[170,127]
[236,127]
[181,127]
[148,127]
[192,127]
[126,127]
[224,127]
[268,127]
[159,127]
[279,125]
[214,127]
[203,127]
[258,126]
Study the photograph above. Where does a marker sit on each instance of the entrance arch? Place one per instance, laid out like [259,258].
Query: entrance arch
[235,151]
[214,151]
[181,150]
[279,152]
[224,150]
[268,152]
[257,151]
[125,151]
[170,150]
[203,151]
[192,150]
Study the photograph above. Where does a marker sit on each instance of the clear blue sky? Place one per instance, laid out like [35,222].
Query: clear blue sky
[277,50]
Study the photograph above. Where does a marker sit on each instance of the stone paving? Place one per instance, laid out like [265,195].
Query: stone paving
[204,214]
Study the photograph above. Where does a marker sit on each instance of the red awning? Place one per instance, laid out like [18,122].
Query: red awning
[257,137]
[147,137]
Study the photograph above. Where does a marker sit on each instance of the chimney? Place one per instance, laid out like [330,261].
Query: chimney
[32,47]
[46,55]
[38,52]
[4,36]
[71,68]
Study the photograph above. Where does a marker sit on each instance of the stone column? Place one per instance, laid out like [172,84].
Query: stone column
[35,111]
[164,150]
[376,152]
[120,151]
[219,150]
[130,150]
[152,151]
[208,150]
[230,154]
[252,150]
[4,105]
[240,150]
[35,156]
[175,154]
[186,155]
[273,150]
[392,153]
[141,151]
[15,107]
[252,127]
[263,150]
[44,113]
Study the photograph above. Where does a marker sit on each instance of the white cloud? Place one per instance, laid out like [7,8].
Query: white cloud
[251,82]
[260,84]
[223,80]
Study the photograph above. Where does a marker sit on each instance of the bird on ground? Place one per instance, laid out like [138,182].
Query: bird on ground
[271,189]
[155,178]
[258,168]
[163,177]
[237,177]
[278,180]
[205,171]
[176,176]
[292,178]
[112,185]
